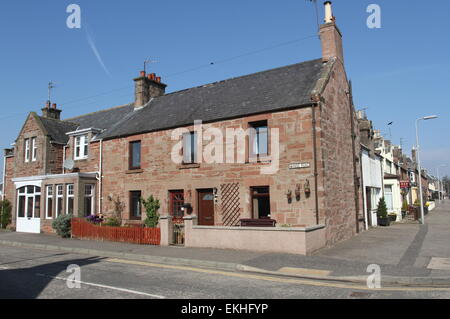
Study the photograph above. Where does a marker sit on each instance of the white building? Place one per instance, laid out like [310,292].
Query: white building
[372,182]
[391,176]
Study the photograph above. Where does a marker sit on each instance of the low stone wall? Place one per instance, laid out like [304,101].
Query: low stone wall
[301,241]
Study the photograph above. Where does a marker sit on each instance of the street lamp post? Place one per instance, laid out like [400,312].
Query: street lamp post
[422,212]
[439,181]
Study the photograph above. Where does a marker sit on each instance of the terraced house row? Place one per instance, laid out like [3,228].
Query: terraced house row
[301,121]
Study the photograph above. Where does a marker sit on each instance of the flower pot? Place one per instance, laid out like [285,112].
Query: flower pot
[392,218]
[384,222]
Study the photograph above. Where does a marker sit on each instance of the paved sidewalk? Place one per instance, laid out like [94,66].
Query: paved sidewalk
[403,251]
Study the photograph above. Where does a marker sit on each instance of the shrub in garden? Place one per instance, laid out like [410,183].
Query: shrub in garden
[5,213]
[112,222]
[405,206]
[152,206]
[382,209]
[63,225]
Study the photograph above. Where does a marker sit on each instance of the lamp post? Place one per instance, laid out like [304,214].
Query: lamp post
[439,181]
[426,118]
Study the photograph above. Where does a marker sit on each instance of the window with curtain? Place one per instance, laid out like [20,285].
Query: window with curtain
[190,148]
[389,198]
[259,140]
[135,155]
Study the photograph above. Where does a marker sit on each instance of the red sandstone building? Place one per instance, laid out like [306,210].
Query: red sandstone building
[75,166]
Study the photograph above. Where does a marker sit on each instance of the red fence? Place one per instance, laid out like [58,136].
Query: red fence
[144,236]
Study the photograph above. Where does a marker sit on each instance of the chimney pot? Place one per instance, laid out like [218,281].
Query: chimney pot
[54,106]
[142,73]
[158,79]
[328,12]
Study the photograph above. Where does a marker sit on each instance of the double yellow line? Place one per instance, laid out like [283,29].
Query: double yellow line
[275,279]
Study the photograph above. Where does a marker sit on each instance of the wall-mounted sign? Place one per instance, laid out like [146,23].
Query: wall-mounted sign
[299,165]
[405,184]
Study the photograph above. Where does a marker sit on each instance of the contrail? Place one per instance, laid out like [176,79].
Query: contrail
[94,49]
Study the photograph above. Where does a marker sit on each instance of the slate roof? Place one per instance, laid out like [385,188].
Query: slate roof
[58,129]
[104,119]
[273,90]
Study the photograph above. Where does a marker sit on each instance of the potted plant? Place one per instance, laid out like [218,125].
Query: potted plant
[393,217]
[382,213]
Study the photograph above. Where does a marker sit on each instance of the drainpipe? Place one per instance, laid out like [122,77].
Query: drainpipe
[4,177]
[316,174]
[64,158]
[100,178]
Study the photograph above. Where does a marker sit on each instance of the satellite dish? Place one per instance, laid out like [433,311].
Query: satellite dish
[69,164]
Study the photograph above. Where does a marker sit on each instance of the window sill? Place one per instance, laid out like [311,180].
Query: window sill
[260,162]
[84,159]
[188,166]
[134,171]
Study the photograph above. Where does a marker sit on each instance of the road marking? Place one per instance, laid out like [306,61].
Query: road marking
[105,286]
[439,264]
[274,279]
[305,271]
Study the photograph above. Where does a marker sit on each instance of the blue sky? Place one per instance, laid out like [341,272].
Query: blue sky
[399,72]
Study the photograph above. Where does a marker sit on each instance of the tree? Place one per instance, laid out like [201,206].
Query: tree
[446,184]
[382,211]
[5,213]
[152,206]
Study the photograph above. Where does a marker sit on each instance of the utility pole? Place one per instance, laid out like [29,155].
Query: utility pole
[422,212]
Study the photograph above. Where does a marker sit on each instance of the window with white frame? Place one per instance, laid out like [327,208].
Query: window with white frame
[34,149]
[59,200]
[29,202]
[89,203]
[259,140]
[389,197]
[49,202]
[27,150]
[70,198]
[81,147]
[190,148]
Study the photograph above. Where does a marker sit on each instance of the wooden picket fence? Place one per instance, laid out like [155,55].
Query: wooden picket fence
[82,229]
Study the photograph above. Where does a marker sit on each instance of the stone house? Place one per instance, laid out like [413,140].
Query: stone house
[279,145]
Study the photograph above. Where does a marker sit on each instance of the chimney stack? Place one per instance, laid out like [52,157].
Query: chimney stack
[146,88]
[331,36]
[51,111]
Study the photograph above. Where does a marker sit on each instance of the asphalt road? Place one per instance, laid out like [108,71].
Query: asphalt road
[32,274]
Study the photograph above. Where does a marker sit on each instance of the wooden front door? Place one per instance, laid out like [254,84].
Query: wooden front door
[206,207]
